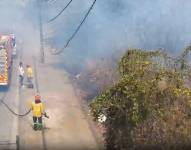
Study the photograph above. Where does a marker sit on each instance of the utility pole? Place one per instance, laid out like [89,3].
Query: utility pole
[40,4]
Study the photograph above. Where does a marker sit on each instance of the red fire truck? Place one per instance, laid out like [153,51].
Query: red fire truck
[6,47]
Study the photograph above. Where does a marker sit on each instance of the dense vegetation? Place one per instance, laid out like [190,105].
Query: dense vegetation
[149,106]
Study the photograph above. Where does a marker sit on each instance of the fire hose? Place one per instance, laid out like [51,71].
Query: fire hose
[13,112]
[21,115]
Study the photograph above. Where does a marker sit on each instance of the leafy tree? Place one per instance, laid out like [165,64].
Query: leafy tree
[148,106]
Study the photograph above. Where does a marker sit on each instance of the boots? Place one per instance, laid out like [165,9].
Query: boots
[40,127]
[35,127]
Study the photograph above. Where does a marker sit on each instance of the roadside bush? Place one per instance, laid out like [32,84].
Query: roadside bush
[148,107]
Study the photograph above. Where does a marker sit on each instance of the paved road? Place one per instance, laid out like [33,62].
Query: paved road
[9,122]
[69,126]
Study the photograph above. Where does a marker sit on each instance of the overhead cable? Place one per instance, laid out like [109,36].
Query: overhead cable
[76,31]
[60,12]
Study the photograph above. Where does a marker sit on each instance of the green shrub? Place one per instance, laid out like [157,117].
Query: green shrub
[148,106]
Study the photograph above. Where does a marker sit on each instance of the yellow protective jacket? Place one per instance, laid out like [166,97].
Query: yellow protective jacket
[29,72]
[37,109]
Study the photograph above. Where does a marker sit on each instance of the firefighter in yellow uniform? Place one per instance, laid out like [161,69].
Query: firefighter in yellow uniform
[29,73]
[38,111]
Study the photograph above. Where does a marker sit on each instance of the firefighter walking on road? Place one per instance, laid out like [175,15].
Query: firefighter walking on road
[29,73]
[38,112]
